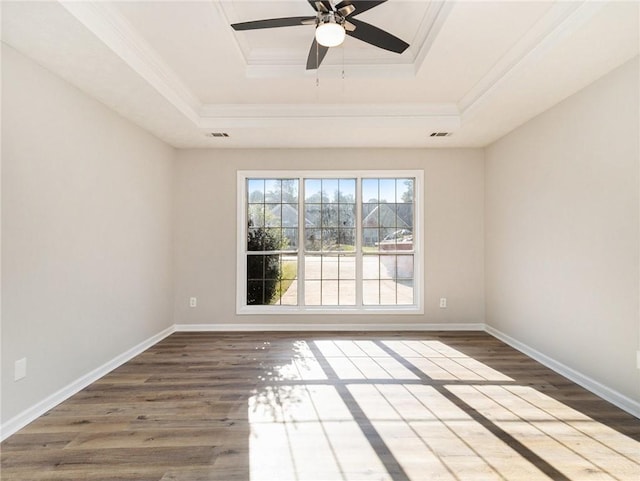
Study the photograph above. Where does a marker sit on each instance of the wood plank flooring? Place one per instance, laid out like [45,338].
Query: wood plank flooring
[328,406]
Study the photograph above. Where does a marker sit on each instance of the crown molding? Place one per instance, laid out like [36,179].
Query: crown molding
[439,116]
[432,22]
[118,35]
[563,19]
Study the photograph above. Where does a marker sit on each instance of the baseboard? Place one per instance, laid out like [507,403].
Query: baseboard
[310,327]
[21,420]
[614,397]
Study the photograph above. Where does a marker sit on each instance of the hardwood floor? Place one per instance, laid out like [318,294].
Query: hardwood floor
[328,406]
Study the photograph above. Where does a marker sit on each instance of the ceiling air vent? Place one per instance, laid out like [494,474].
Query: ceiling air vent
[440,134]
[217,134]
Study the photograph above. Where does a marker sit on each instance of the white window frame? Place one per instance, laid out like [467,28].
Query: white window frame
[241,262]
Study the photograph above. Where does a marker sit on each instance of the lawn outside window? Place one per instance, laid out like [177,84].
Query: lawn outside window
[329,241]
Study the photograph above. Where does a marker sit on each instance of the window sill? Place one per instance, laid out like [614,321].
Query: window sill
[346,310]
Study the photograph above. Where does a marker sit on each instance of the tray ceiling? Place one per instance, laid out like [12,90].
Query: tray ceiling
[475,69]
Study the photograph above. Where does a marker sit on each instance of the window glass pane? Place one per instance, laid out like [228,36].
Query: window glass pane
[313,239]
[329,239]
[404,242]
[255,267]
[370,215]
[255,190]
[405,267]
[312,292]
[388,242]
[330,293]
[330,215]
[290,296]
[255,215]
[312,215]
[387,267]
[263,272]
[255,293]
[290,239]
[330,190]
[290,190]
[405,216]
[273,215]
[387,292]
[388,215]
[387,191]
[347,239]
[405,292]
[289,215]
[371,292]
[347,267]
[289,267]
[263,239]
[370,267]
[287,293]
[370,190]
[273,190]
[270,278]
[347,190]
[347,292]
[330,267]
[313,267]
[347,215]
[313,190]
[404,190]
[255,239]
[370,239]
[273,239]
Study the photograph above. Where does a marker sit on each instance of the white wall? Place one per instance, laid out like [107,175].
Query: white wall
[562,232]
[86,233]
[206,224]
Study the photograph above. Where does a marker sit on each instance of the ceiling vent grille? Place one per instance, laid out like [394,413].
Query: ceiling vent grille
[440,134]
[217,134]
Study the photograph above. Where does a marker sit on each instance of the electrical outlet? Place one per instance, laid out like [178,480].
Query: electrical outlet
[638,359]
[193,302]
[443,303]
[20,369]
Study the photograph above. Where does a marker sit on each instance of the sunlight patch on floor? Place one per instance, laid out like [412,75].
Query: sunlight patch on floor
[416,410]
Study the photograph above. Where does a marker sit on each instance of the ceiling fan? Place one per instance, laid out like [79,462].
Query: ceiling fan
[333,21]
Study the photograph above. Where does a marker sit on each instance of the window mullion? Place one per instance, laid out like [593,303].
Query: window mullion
[358,248]
[301,237]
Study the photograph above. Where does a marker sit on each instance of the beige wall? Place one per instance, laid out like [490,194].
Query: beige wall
[205,230]
[86,233]
[562,232]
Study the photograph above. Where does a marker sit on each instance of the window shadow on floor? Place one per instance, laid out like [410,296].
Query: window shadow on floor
[328,406]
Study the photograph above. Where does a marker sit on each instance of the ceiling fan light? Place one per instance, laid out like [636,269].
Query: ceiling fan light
[330,34]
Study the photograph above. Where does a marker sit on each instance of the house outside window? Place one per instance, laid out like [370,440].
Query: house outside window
[320,242]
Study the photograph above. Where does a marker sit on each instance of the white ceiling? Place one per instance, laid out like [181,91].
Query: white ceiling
[476,69]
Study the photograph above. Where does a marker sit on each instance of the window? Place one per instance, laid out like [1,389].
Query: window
[329,241]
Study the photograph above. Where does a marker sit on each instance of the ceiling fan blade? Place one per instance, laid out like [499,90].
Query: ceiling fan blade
[322,6]
[272,23]
[346,10]
[360,5]
[377,37]
[317,53]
